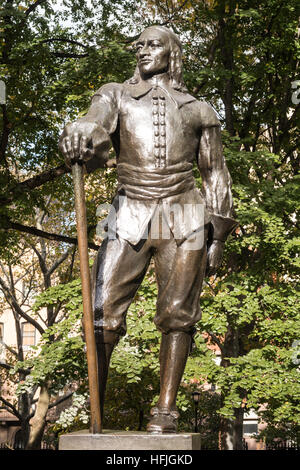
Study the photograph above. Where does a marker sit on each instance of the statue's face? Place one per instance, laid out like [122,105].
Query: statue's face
[153,52]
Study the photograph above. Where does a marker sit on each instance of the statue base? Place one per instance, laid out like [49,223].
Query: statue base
[129,440]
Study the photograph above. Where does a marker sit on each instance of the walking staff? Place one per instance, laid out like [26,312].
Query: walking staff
[77,172]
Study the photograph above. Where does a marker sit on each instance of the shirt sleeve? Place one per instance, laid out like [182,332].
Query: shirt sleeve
[208,115]
[104,112]
[216,180]
[105,107]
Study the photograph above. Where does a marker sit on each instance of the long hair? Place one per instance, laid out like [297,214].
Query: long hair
[175,70]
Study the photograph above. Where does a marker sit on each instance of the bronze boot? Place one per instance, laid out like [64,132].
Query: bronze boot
[105,345]
[174,351]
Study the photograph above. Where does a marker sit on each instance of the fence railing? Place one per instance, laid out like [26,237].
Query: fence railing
[245,444]
[20,446]
[283,445]
[6,446]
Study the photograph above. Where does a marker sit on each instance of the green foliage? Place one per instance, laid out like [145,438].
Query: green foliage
[76,413]
[253,307]
[257,299]
[59,357]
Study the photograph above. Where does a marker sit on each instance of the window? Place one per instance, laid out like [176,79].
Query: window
[28,335]
[250,427]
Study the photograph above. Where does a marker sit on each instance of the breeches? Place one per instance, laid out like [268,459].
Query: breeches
[119,270]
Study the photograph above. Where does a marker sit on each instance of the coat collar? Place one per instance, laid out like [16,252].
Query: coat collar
[142,88]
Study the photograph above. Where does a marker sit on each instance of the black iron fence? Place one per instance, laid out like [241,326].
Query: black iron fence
[283,445]
[245,444]
[20,446]
[6,446]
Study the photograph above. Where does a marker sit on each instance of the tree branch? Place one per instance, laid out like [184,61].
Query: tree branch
[10,349]
[6,129]
[60,400]
[41,260]
[8,367]
[11,407]
[70,41]
[17,307]
[4,271]
[67,55]
[35,182]
[34,6]
[41,233]
[226,49]
[60,260]
[5,366]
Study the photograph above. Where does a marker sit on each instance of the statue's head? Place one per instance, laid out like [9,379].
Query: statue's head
[159,50]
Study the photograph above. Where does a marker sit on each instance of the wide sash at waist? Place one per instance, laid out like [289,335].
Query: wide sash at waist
[157,183]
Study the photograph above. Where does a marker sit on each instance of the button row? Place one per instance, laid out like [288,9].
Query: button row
[155,112]
[157,120]
[159,123]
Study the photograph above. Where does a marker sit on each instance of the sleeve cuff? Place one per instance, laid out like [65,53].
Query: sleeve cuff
[101,145]
[222,227]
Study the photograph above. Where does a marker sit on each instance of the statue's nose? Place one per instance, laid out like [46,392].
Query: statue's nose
[144,51]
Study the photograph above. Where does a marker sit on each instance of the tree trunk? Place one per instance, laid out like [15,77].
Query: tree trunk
[22,436]
[232,431]
[238,429]
[226,48]
[38,422]
[141,418]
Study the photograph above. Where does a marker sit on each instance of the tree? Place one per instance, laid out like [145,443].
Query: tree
[20,280]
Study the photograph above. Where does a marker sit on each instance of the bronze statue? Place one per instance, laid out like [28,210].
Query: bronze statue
[157,130]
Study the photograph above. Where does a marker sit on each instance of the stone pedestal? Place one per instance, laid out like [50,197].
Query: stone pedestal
[129,440]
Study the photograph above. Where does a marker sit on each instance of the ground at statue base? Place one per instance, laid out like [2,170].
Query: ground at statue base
[129,440]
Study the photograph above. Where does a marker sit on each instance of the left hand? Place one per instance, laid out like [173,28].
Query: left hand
[214,257]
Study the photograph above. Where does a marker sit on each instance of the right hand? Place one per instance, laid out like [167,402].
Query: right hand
[75,143]
[214,257]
